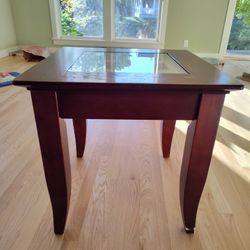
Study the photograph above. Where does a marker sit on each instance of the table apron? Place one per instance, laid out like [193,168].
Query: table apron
[151,105]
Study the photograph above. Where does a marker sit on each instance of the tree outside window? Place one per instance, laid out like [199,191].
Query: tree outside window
[240,32]
[134,19]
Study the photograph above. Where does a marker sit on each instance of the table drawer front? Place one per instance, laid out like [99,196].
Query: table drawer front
[128,105]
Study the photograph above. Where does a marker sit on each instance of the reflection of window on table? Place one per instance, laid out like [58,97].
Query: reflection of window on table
[100,62]
[109,20]
[126,62]
[90,62]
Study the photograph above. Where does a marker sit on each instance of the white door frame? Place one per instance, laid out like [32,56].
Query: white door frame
[227,27]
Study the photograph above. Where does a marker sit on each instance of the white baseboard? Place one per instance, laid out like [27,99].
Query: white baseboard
[5,52]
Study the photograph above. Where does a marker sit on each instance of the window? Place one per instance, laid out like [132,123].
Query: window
[118,23]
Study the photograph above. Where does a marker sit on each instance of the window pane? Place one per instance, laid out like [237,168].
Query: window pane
[137,19]
[82,18]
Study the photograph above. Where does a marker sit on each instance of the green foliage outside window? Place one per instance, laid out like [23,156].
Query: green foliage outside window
[81,17]
[242,11]
[132,27]
[240,32]
[67,19]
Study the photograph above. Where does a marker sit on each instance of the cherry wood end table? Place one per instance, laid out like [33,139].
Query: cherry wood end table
[98,83]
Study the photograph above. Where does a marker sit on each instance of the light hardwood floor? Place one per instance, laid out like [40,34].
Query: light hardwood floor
[124,194]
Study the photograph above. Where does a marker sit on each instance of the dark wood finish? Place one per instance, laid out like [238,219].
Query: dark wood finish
[80,135]
[125,104]
[202,75]
[198,150]
[168,127]
[197,96]
[55,154]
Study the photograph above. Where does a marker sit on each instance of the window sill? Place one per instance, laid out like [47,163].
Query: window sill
[102,43]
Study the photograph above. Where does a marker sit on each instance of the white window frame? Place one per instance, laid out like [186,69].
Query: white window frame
[109,39]
[227,27]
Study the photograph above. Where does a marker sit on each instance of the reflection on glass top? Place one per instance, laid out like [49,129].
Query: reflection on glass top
[126,62]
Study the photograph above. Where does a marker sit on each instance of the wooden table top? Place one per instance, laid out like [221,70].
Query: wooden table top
[66,70]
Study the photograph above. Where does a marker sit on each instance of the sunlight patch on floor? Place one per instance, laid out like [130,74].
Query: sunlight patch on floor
[224,154]
[235,128]
[242,156]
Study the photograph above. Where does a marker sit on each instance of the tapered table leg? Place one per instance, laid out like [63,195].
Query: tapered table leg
[168,127]
[199,144]
[55,155]
[80,135]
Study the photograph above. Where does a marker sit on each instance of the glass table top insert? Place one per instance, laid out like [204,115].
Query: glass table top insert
[126,62]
